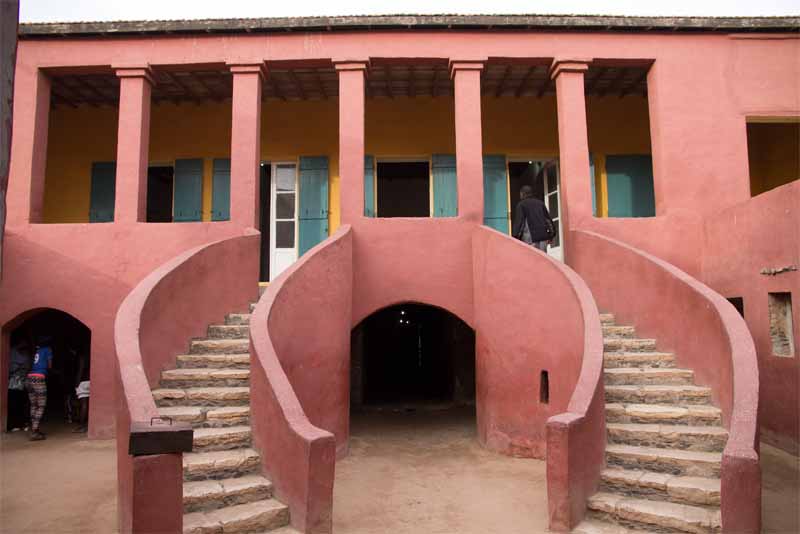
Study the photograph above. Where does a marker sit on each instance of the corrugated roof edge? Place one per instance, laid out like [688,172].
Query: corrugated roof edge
[411,22]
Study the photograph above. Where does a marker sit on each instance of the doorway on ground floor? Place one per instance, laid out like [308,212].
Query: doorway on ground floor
[412,356]
[66,380]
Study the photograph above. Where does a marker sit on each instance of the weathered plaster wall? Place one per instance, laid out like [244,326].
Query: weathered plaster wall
[763,233]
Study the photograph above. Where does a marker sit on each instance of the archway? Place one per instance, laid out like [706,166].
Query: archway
[411,356]
[70,342]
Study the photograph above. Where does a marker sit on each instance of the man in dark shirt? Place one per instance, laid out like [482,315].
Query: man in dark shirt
[532,222]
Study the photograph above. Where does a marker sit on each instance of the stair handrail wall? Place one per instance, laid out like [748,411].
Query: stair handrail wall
[708,336]
[297,456]
[174,302]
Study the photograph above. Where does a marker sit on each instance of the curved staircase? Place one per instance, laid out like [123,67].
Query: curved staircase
[223,490]
[665,442]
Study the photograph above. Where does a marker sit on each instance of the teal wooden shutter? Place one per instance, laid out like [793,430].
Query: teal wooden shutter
[630,186]
[104,186]
[445,192]
[188,197]
[495,193]
[313,202]
[221,191]
[369,186]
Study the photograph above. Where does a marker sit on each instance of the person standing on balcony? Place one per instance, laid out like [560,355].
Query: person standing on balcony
[532,222]
[36,384]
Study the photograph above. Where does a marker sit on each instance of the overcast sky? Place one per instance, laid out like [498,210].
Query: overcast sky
[90,10]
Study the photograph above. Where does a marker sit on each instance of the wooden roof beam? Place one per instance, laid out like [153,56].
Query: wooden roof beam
[502,82]
[543,87]
[616,83]
[191,95]
[592,85]
[528,75]
[296,81]
[642,77]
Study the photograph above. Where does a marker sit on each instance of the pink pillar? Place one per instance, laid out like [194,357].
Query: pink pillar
[351,139]
[573,144]
[466,77]
[133,143]
[29,147]
[246,142]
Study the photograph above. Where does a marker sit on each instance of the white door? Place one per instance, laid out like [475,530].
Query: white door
[283,218]
[553,201]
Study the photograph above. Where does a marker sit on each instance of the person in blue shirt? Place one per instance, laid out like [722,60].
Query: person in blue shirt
[36,384]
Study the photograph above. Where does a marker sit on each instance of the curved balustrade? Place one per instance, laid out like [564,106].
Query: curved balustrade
[173,303]
[707,335]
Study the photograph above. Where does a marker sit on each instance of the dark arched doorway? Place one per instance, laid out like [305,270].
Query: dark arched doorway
[412,356]
[70,343]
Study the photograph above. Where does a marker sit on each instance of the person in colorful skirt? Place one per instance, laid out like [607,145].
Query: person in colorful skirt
[36,384]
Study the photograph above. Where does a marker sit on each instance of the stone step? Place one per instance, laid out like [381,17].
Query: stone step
[213,494]
[655,516]
[204,377]
[221,361]
[253,306]
[662,486]
[219,346]
[613,360]
[237,318]
[212,396]
[256,516]
[208,416]
[616,331]
[693,438]
[648,375]
[229,331]
[625,344]
[607,318]
[220,464]
[591,525]
[658,394]
[221,438]
[690,414]
[676,462]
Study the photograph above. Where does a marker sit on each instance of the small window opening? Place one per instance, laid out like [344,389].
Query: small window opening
[780,324]
[403,189]
[544,388]
[738,303]
[772,154]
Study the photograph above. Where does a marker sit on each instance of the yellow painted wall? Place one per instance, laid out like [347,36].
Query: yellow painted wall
[774,154]
[401,127]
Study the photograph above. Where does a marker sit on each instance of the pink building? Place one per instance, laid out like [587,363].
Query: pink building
[161,170]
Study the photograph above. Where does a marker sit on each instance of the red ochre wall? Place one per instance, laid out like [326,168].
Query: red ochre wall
[698,105]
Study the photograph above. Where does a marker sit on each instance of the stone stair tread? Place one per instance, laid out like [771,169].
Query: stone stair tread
[200,491]
[661,514]
[607,318]
[655,394]
[220,431]
[228,411]
[593,526]
[250,517]
[615,330]
[189,414]
[253,306]
[237,318]
[698,490]
[642,356]
[632,375]
[219,346]
[228,331]
[214,360]
[667,430]
[200,463]
[656,452]
[204,373]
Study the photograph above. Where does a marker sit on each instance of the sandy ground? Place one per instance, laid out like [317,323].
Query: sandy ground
[65,484]
[425,472]
[417,472]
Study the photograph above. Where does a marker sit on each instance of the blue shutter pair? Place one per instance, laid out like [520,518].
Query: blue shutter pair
[630,186]
[495,193]
[313,216]
[188,196]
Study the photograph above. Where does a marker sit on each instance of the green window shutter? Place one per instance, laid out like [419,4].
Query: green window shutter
[630,186]
[221,191]
[369,186]
[188,197]
[313,202]
[104,186]
[445,192]
[495,193]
